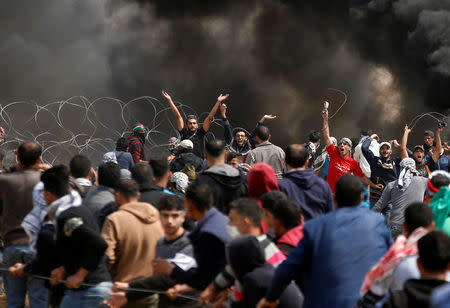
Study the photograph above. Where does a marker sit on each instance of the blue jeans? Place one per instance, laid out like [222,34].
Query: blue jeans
[17,287]
[89,298]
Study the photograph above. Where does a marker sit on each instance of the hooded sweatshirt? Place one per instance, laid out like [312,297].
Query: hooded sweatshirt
[261,179]
[416,293]
[247,259]
[312,193]
[227,184]
[130,250]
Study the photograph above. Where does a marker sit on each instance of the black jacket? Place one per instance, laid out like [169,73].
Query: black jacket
[227,184]
[246,258]
[416,293]
[151,193]
[81,245]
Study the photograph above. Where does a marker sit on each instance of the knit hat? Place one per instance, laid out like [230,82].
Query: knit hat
[138,127]
[431,189]
[346,140]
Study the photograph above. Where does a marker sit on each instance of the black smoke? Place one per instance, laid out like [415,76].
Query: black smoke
[390,57]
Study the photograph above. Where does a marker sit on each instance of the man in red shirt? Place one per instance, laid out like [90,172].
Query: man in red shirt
[340,159]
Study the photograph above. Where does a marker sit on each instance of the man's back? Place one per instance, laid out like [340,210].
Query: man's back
[227,183]
[312,193]
[16,190]
[98,198]
[268,153]
[131,249]
[337,250]
[400,199]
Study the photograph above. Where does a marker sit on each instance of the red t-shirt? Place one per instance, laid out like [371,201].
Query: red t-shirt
[340,166]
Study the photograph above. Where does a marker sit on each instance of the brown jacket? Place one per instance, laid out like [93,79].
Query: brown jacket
[131,234]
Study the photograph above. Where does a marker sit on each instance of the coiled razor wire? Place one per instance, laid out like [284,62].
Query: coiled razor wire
[89,285]
[81,126]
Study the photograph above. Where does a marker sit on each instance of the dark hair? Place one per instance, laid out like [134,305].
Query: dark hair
[142,173]
[28,153]
[109,175]
[366,132]
[239,129]
[417,215]
[201,195]
[122,144]
[80,166]
[296,155]
[56,180]
[262,132]
[170,203]
[215,147]
[348,190]
[314,136]
[440,180]
[2,155]
[232,155]
[288,212]
[191,117]
[247,208]
[269,199]
[128,187]
[434,251]
[160,166]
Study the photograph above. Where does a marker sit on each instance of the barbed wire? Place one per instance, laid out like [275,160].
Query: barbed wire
[78,125]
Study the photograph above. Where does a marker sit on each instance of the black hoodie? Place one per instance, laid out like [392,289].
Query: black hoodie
[227,184]
[416,293]
[246,258]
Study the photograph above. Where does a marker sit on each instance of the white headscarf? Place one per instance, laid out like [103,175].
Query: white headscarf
[408,170]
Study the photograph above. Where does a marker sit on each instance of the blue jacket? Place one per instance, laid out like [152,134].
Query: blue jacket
[336,251]
[312,193]
[208,238]
[382,171]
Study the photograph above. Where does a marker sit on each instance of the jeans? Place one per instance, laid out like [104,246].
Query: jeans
[17,287]
[92,297]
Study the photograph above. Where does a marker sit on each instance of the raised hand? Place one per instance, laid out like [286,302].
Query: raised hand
[166,95]
[223,110]
[222,97]
[325,114]
[267,117]
[407,129]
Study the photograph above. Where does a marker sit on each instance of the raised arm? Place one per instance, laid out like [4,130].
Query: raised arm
[227,132]
[175,111]
[210,117]
[326,128]
[438,149]
[403,151]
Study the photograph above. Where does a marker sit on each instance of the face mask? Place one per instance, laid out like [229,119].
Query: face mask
[233,231]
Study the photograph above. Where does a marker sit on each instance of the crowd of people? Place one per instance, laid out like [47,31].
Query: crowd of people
[231,222]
